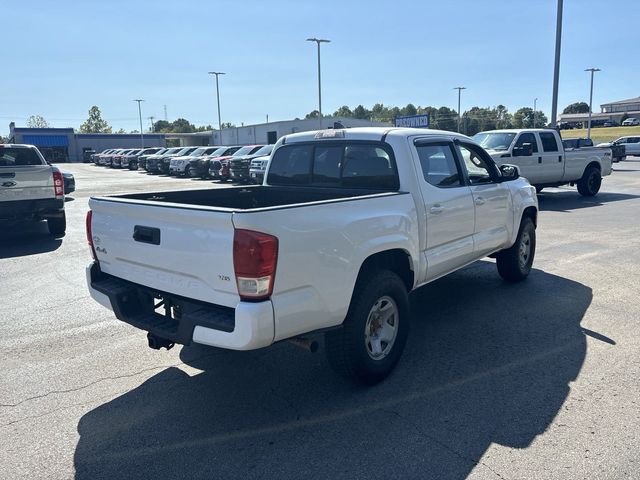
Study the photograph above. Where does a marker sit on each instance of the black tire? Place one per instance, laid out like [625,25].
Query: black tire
[514,264]
[187,171]
[348,349]
[590,182]
[539,189]
[57,225]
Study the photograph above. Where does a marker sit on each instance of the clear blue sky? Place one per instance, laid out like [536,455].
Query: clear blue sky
[62,57]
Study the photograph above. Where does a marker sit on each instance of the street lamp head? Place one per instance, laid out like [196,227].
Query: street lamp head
[318,40]
[216,73]
[137,100]
[592,69]
[459,88]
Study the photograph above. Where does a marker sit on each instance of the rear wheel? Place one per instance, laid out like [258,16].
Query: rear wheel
[187,171]
[590,182]
[514,264]
[370,343]
[57,225]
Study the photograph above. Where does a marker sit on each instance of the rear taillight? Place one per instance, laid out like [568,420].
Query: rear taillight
[255,256]
[58,184]
[90,235]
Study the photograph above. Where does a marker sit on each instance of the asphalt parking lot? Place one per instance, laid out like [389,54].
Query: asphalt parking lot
[534,380]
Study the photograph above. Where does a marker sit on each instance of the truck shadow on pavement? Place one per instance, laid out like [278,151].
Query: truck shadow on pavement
[566,200]
[26,238]
[486,362]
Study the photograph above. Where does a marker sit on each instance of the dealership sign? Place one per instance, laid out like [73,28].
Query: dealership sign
[413,121]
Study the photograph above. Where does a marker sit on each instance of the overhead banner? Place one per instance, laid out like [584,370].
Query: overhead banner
[413,121]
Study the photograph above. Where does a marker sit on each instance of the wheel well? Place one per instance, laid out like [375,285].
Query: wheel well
[593,164]
[396,260]
[532,213]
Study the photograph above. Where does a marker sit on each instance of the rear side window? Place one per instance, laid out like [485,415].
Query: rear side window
[439,165]
[346,165]
[549,143]
[11,157]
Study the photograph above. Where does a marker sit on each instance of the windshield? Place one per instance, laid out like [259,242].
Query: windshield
[266,150]
[243,151]
[495,140]
[174,150]
[199,151]
[219,152]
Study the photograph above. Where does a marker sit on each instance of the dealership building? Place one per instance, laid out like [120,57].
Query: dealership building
[65,145]
[609,112]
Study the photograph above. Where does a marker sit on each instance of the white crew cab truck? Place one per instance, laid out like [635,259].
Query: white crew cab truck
[541,158]
[345,225]
[30,188]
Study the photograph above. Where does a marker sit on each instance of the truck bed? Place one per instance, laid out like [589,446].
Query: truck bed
[248,198]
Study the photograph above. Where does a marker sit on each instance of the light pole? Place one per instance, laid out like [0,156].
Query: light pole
[139,100]
[592,70]
[459,115]
[535,105]
[217,74]
[556,66]
[318,42]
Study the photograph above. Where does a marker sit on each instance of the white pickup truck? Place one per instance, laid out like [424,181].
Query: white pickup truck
[31,189]
[346,224]
[539,155]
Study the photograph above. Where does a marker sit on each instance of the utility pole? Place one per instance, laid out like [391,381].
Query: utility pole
[267,118]
[556,66]
[139,100]
[151,120]
[166,119]
[318,42]
[535,103]
[459,114]
[592,70]
[217,74]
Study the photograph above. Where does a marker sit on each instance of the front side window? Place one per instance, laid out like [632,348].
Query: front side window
[527,138]
[549,143]
[438,164]
[478,170]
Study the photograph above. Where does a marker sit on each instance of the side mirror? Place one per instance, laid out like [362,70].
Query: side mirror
[526,150]
[509,172]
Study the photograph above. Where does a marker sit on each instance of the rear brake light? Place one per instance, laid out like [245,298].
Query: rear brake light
[255,256]
[90,235]
[58,184]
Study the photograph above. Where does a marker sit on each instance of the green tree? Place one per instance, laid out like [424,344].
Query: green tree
[445,119]
[227,125]
[503,118]
[313,114]
[162,126]
[361,112]
[410,109]
[37,121]
[120,131]
[523,118]
[95,123]
[343,111]
[577,107]
[478,119]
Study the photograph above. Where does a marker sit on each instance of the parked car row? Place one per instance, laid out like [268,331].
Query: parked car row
[239,163]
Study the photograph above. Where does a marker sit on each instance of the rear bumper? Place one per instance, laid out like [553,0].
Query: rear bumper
[24,209]
[247,327]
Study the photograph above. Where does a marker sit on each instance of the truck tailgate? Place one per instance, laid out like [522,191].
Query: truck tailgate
[28,182]
[183,251]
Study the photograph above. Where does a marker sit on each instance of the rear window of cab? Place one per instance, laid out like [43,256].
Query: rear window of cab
[335,164]
[12,157]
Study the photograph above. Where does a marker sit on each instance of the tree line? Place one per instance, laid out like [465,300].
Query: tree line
[474,120]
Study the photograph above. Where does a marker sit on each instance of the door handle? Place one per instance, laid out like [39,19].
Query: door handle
[539,159]
[436,209]
[560,158]
[479,201]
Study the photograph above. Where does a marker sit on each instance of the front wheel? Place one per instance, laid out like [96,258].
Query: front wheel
[590,182]
[57,225]
[370,343]
[514,264]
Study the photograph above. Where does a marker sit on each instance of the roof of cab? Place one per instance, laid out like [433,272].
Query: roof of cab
[368,133]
